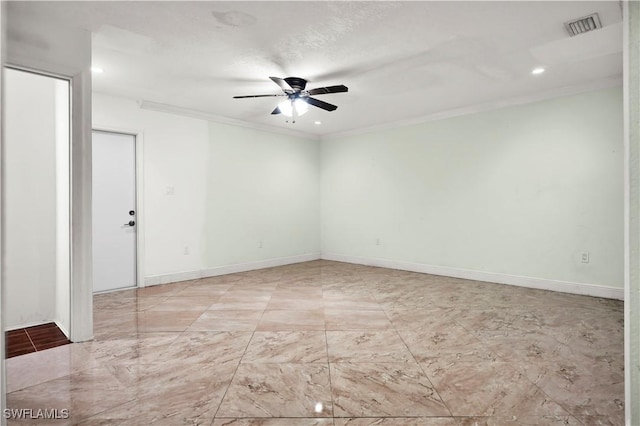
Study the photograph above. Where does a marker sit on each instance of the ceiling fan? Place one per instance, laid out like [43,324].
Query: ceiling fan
[298,98]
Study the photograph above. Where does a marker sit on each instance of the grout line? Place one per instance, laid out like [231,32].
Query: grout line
[235,371]
[326,343]
[8,347]
[31,340]
[414,358]
[239,362]
[425,373]
[92,416]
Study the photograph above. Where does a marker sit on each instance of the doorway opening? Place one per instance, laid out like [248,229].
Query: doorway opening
[36,197]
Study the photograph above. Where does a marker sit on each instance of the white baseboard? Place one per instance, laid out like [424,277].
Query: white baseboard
[492,277]
[229,269]
[26,325]
[63,329]
[113,290]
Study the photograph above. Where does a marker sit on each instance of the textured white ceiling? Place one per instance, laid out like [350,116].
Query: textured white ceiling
[401,60]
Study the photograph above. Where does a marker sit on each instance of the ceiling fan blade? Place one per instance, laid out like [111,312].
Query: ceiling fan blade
[329,89]
[276,111]
[256,96]
[283,84]
[320,104]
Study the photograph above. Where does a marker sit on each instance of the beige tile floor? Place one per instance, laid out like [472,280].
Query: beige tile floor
[327,343]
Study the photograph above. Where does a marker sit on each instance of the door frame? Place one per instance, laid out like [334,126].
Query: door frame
[139,172]
[81,328]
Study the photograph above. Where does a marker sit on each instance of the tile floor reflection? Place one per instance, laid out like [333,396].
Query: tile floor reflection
[328,343]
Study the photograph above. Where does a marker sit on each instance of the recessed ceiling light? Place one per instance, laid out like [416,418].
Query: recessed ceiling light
[317,122]
[538,70]
[97,70]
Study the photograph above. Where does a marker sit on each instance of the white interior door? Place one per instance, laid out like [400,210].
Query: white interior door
[114,211]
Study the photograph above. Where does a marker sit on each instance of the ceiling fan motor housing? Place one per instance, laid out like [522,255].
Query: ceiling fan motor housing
[298,84]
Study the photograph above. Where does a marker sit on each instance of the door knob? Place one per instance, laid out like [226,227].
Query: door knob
[131,223]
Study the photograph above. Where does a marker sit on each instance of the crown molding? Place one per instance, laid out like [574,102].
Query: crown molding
[202,115]
[456,112]
[484,107]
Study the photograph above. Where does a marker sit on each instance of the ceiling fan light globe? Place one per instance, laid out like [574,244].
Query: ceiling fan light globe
[301,106]
[286,107]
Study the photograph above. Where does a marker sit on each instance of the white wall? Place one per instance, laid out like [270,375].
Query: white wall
[520,191]
[232,188]
[263,196]
[631,12]
[29,199]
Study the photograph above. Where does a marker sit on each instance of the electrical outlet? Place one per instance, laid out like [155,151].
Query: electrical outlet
[170,190]
[185,250]
[377,241]
[260,244]
[584,257]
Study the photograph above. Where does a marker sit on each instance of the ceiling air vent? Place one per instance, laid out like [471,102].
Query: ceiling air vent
[583,25]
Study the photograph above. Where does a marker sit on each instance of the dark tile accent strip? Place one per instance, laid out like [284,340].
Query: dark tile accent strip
[32,339]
